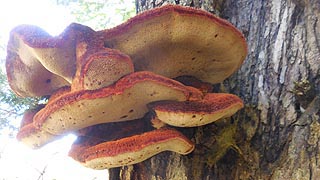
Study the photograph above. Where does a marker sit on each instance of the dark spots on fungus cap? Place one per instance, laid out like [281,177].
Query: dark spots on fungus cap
[123,117]
[108,44]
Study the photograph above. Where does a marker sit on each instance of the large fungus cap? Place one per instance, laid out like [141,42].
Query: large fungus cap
[175,40]
[127,99]
[93,153]
[212,107]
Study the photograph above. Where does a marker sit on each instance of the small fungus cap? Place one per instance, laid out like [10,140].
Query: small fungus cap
[31,135]
[212,107]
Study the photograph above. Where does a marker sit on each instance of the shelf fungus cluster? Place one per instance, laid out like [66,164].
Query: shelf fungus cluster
[109,86]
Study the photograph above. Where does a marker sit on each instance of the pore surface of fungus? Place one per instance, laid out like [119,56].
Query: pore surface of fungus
[30,135]
[33,79]
[37,64]
[174,40]
[102,69]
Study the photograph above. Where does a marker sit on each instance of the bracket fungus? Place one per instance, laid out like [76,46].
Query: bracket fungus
[161,62]
[127,99]
[129,150]
[37,64]
[212,107]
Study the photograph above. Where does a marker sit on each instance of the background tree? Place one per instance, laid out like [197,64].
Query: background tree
[276,135]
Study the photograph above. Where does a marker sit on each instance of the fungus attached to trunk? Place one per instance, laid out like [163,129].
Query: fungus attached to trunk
[99,80]
[212,107]
[129,150]
[125,100]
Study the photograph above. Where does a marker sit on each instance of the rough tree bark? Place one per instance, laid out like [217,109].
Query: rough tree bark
[276,135]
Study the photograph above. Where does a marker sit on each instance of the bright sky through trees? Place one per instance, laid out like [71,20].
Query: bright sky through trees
[50,162]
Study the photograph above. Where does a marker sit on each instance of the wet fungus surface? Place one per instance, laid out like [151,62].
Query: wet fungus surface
[113,87]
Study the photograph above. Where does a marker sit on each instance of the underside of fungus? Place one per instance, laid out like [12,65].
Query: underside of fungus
[160,64]
[37,64]
[30,135]
[173,41]
[33,80]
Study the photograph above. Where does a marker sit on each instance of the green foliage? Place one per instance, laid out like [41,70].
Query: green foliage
[13,106]
[17,103]
[2,49]
[88,11]
[100,14]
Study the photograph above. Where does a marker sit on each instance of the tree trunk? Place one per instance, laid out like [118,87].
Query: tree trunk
[277,134]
